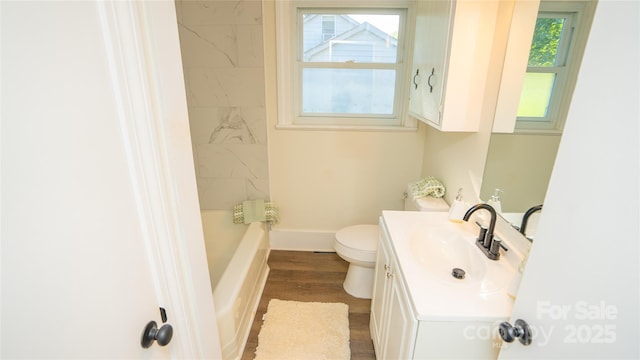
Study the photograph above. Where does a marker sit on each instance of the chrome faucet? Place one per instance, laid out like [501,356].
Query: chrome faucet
[525,218]
[486,241]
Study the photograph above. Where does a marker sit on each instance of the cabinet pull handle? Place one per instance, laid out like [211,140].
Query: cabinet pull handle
[387,267]
[433,70]
[415,83]
[389,275]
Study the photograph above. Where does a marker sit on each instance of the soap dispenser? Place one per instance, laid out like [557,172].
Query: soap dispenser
[495,201]
[458,208]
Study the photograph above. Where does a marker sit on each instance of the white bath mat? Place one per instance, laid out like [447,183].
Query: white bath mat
[304,330]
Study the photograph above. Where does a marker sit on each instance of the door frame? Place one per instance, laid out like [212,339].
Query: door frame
[142,47]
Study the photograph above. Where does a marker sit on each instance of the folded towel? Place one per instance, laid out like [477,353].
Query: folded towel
[429,186]
[255,210]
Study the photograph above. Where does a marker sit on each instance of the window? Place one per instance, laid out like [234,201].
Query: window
[340,66]
[554,59]
[328,27]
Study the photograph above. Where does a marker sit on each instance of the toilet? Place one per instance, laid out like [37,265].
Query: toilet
[358,245]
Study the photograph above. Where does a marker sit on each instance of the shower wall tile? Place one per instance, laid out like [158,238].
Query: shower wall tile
[223,194]
[202,121]
[221,12]
[256,120]
[257,189]
[215,45]
[250,46]
[226,87]
[232,161]
[225,125]
[232,128]
[220,194]
[222,55]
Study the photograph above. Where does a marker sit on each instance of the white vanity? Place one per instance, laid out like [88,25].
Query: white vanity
[419,310]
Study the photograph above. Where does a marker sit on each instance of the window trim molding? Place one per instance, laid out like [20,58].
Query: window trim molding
[288,91]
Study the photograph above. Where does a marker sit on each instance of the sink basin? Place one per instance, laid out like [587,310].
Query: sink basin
[427,247]
[441,248]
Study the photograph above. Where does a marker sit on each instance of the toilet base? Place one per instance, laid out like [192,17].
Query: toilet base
[359,281]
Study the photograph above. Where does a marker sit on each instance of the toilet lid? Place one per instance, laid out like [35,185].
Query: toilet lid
[359,237]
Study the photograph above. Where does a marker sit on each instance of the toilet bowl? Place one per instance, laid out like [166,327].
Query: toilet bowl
[358,245]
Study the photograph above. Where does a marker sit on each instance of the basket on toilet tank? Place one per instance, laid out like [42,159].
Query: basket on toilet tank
[427,203]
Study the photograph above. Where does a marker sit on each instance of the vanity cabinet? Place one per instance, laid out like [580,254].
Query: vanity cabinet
[420,315]
[392,322]
[453,42]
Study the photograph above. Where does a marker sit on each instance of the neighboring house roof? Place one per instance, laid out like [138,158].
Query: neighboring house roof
[345,17]
[360,27]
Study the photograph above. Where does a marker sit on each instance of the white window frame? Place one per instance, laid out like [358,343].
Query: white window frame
[289,67]
[570,52]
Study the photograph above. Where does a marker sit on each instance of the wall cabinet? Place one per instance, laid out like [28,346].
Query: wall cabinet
[452,47]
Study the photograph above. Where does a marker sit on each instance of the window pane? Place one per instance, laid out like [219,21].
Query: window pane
[350,38]
[536,95]
[348,91]
[328,27]
[546,41]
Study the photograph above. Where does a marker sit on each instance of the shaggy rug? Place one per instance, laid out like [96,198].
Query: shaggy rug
[304,330]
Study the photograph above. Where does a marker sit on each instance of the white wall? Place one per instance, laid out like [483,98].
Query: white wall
[458,159]
[590,224]
[325,180]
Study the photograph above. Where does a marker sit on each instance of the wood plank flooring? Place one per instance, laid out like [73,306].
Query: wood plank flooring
[309,276]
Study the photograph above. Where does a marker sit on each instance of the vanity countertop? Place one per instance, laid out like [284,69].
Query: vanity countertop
[443,297]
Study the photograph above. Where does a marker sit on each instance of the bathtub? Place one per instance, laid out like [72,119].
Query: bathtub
[237,256]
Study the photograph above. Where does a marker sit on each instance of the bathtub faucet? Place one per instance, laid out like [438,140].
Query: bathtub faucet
[487,242]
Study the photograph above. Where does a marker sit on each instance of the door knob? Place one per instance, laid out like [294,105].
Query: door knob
[152,333]
[520,331]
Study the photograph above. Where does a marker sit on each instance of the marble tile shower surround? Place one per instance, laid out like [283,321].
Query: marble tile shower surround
[222,55]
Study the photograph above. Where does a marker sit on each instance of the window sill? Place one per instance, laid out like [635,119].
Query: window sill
[401,128]
[525,131]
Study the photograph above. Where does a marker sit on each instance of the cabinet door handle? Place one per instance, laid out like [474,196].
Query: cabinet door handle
[389,275]
[387,267]
[433,70]
[415,83]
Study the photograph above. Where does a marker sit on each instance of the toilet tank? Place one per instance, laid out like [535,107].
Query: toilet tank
[427,203]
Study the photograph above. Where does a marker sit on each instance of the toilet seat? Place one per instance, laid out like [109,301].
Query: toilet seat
[358,242]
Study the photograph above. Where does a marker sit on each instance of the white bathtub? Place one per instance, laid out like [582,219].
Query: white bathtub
[237,256]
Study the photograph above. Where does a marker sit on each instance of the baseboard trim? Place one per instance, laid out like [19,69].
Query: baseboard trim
[298,240]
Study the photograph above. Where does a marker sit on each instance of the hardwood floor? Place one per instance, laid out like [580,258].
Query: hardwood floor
[309,276]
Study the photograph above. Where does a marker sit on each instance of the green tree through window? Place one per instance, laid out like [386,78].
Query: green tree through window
[546,69]
[546,39]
